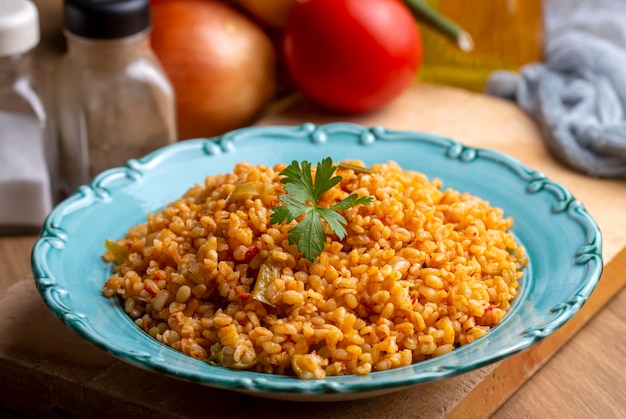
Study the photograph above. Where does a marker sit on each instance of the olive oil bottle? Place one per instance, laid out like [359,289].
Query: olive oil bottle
[506,35]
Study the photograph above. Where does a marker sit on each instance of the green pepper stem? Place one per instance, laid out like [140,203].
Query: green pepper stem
[424,13]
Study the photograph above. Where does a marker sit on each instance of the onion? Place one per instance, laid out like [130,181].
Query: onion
[271,13]
[221,64]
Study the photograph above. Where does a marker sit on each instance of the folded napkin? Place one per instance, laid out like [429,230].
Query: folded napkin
[578,94]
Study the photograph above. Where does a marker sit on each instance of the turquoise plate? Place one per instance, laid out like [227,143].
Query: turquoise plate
[563,244]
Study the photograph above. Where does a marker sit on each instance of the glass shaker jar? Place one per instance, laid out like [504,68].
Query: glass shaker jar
[114,101]
[25,196]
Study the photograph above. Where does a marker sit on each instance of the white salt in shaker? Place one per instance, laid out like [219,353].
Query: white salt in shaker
[25,197]
[114,101]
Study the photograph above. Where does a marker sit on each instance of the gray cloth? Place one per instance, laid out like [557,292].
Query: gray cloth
[578,94]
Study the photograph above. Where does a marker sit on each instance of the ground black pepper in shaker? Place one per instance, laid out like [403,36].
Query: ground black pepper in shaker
[114,101]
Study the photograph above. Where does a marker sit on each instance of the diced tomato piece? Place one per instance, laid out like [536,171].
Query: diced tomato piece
[251,253]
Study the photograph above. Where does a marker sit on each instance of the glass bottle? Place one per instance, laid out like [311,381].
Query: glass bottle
[507,34]
[114,101]
[25,195]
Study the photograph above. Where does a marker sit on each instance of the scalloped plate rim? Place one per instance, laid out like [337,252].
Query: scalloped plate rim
[261,383]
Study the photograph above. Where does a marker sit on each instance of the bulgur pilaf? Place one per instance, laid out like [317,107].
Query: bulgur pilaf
[420,272]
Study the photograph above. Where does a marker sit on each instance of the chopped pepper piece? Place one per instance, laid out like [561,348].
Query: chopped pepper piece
[119,252]
[269,271]
[218,358]
[247,190]
[355,168]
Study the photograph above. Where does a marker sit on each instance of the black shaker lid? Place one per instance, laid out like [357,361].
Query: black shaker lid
[106,19]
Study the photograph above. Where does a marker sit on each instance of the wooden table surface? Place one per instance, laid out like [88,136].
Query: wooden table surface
[47,371]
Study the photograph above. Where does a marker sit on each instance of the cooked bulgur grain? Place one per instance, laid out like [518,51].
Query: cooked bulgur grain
[420,272]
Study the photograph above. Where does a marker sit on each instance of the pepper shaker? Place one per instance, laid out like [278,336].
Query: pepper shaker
[114,100]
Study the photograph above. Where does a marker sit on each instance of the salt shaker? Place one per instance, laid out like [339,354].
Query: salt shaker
[113,99]
[25,195]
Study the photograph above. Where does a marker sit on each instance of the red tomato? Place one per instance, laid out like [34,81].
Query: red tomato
[352,56]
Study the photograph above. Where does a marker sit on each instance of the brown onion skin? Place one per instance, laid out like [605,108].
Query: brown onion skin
[272,14]
[222,65]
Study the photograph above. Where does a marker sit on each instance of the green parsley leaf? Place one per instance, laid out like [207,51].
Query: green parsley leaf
[309,235]
[302,198]
[289,212]
[351,201]
[335,221]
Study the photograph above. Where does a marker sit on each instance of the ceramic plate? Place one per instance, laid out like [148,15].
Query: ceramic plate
[562,241]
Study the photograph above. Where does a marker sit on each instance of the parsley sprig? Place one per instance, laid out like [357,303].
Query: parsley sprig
[302,198]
